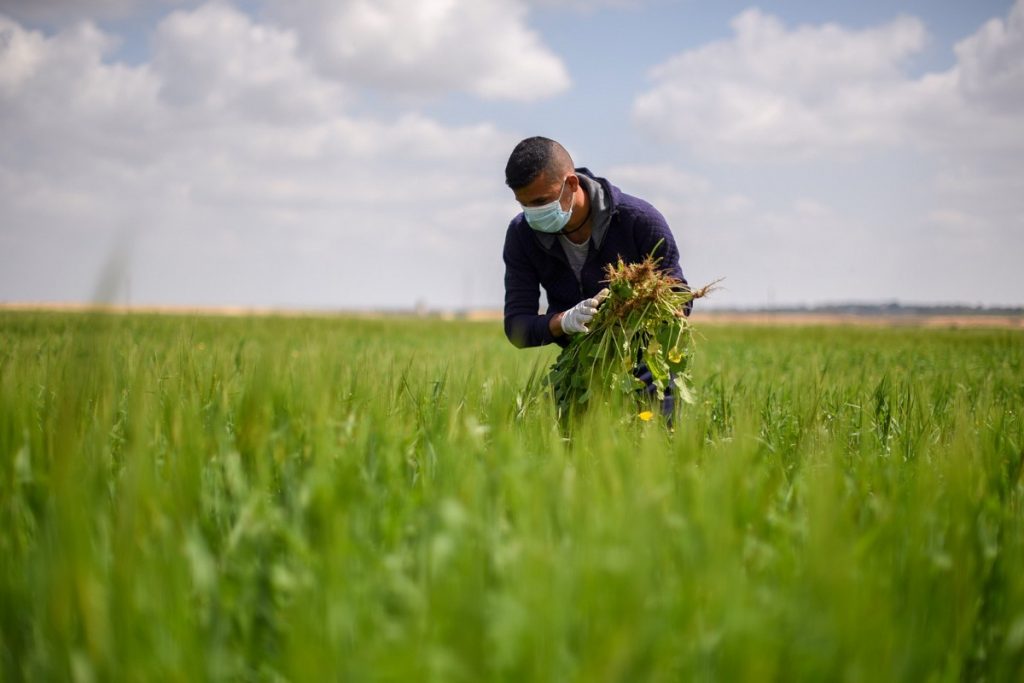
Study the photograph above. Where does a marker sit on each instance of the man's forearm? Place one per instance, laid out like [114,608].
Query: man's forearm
[555,325]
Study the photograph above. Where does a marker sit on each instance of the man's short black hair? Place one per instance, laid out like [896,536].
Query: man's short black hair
[533,156]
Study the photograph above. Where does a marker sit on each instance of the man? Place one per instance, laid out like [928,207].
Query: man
[572,225]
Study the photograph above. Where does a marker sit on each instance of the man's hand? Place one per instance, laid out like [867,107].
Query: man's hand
[576,318]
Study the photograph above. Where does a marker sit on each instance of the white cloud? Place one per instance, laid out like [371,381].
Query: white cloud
[990,64]
[955,240]
[218,58]
[58,93]
[801,249]
[237,174]
[482,47]
[587,5]
[776,93]
[806,100]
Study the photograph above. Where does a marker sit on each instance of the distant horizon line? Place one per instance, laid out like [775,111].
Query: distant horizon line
[851,307]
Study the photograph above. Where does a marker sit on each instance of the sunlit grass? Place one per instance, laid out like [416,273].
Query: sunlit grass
[191,498]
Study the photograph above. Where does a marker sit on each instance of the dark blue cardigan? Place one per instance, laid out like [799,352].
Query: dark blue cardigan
[534,260]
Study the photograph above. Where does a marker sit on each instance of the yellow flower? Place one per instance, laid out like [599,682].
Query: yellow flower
[646,415]
[674,356]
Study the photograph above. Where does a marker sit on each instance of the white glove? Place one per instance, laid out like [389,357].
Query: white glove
[577,317]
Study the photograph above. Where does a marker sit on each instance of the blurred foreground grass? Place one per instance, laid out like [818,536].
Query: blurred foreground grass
[267,498]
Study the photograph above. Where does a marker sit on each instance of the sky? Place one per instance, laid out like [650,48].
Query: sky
[350,154]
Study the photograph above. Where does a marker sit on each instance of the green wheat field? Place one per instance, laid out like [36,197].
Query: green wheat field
[305,499]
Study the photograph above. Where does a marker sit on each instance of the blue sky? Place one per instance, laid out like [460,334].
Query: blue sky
[350,154]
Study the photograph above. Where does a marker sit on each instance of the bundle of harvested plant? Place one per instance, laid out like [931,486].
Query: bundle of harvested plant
[639,321]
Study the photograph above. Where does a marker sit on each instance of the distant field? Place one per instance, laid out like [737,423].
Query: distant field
[701,314]
[977,321]
[309,498]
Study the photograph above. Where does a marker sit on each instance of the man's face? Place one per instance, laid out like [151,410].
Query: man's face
[545,189]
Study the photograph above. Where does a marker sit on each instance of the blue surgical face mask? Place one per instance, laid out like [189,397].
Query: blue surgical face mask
[550,217]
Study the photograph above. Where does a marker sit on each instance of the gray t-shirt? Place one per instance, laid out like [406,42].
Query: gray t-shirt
[576,253]
[600,218]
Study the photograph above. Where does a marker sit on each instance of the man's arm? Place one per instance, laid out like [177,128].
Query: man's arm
[555,325]
[523,326]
